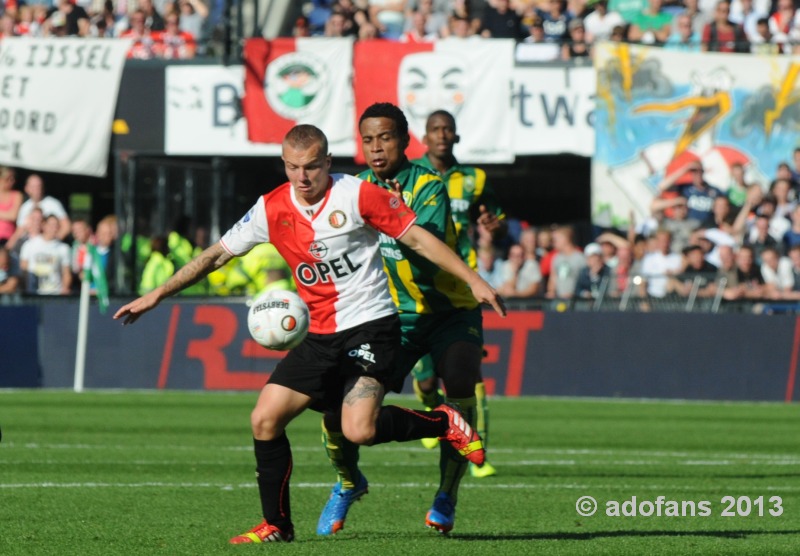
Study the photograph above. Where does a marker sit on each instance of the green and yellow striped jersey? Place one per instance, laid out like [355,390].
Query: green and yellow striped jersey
[416,284]
[467,188]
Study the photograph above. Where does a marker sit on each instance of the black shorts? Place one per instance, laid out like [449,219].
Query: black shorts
[322,364]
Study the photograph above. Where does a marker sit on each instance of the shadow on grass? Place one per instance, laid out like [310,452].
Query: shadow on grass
[615,534]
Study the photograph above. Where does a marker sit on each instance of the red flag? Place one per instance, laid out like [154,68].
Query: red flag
[305,80]
[264,125]
[377,65]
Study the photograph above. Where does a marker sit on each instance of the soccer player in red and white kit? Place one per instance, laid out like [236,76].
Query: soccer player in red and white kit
[327,228]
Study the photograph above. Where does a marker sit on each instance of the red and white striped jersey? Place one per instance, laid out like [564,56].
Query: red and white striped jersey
[334,254]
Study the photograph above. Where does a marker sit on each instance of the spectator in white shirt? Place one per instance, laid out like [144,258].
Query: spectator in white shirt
[659,265]
[34,189]
[600,22]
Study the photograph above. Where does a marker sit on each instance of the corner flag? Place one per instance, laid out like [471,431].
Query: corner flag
[94,273]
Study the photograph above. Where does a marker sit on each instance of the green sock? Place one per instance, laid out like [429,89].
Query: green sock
[482,414]
[343,456]
[453,465]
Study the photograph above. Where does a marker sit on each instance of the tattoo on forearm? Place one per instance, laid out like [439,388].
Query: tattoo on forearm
[206,262]
[363,390]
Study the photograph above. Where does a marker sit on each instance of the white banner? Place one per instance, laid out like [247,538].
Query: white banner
[484,121]
[553,110]
[57,100]
[203,113]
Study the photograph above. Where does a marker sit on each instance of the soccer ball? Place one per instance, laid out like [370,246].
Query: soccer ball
[278,320]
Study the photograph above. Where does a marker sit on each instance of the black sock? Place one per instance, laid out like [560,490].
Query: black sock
[400,424]
[273,470]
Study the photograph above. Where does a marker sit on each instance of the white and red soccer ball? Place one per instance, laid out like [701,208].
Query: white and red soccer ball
[278,320]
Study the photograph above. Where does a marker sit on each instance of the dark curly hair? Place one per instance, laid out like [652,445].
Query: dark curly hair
[387,110]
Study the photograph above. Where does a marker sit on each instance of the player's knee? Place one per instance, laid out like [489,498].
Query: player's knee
[265,425]
[362,434]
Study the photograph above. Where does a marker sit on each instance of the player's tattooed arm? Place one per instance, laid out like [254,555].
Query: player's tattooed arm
[206,262]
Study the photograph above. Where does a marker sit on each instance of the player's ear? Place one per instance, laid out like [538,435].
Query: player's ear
[457,139]
[328,161]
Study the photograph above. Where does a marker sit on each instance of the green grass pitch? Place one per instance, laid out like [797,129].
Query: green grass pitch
[105,473]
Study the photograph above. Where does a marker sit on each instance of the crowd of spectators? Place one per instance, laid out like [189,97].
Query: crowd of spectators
[545,30]
[43,251]
[699,242]
[548,30]
[169,29]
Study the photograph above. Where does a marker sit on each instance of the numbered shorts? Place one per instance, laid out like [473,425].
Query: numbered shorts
[433,334]
[321,365]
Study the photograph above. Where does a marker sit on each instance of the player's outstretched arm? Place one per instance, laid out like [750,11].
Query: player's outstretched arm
[206,262]
[429,246]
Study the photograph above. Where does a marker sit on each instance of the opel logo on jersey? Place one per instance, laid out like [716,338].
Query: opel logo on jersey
[318,250]
[394,202]
[309,274]
[337,219]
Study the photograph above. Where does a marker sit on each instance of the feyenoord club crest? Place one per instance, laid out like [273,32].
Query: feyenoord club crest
[296,85]
[337,219]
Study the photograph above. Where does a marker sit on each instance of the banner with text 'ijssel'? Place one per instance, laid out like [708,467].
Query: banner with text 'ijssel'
[57,100]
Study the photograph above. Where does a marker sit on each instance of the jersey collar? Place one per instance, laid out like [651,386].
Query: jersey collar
[425,161]
[302,208]
[401,176]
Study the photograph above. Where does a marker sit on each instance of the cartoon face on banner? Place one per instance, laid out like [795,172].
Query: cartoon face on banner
[429,81]
[295,85]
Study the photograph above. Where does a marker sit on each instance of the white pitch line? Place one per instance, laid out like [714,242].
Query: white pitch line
[498,461]
[484,485]
[697,455]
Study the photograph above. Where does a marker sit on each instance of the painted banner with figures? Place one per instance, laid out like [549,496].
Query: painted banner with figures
[658,110]
[57,100]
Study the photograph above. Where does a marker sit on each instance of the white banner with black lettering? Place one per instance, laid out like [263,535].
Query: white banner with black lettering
[57,100]
[203,113]
[553,110]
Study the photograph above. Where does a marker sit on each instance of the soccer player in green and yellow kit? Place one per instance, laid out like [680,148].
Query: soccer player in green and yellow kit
[469,194]
[438,316]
